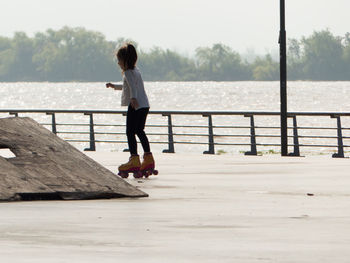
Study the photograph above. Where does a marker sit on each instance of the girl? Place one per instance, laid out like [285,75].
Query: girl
[135,97]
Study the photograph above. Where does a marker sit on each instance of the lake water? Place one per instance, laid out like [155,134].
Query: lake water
[202,96]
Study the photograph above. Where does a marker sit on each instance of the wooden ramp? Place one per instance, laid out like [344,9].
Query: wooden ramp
[48,168]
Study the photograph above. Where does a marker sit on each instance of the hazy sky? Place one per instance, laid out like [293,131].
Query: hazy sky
[182,25]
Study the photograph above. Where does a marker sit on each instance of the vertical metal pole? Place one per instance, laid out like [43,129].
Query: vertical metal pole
[92,134]
[53,122]
[252,137]
[283,81]
[295,138]
[340,153]
[211,149]
[126,149]
[170,136]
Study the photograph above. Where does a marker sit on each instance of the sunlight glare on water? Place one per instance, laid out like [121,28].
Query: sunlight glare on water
[185,96]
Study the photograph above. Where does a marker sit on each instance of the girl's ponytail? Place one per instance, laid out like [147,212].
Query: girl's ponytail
[129,47]
[131,51]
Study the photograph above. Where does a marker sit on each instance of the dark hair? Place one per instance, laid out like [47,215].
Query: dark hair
[127,54]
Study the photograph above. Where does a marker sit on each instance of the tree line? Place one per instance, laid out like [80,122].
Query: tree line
[77,54]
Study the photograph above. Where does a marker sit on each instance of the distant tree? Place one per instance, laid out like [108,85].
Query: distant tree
[5,43]
[6,58]
[159,64]
[77,54]
[74,54]
[265,68]
[322,56]
[220,62]
[346,56]
[16,59]
[294,60]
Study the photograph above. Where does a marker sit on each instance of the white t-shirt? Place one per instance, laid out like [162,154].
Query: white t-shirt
[133,88]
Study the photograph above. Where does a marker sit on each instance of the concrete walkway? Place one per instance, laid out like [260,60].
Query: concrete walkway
[221,208]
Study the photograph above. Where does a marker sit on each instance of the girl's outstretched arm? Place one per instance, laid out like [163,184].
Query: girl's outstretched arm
[114,86]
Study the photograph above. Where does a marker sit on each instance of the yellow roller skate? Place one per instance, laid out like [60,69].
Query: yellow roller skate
[147,166]
[132,166]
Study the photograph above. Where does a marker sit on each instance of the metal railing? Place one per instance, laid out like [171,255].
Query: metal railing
[252,136]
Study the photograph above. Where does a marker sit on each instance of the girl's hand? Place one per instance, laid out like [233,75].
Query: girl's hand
[109,85]
[134,103]
[114,86]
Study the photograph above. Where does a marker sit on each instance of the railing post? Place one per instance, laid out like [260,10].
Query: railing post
[340,153]
[295,138]
[211,149]
[53,122]
[252,137]
[126,149]
[170,136]
[92,134]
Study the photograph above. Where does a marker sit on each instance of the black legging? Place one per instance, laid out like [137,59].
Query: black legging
[135,125]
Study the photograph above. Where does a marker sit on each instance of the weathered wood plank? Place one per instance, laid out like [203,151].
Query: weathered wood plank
[50,161]
[13,181]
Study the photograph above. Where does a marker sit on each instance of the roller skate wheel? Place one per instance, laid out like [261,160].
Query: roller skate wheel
[123,174]
[138,174]
[155,172]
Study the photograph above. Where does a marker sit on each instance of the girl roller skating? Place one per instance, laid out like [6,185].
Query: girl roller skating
[134,96]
